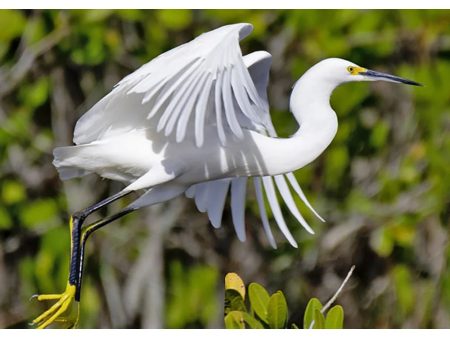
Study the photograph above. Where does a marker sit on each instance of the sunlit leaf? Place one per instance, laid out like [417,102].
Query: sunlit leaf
[13,22]
[313,305]
[175,18]
[335,318]
[38,212]
[259,300]
[251,321]
[277,311]
[319,320]
[234,320]
[234,282]
[12,192]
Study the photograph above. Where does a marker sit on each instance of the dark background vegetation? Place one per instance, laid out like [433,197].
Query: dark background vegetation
[383,184]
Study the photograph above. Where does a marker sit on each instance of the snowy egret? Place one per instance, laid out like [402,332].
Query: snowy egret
[195,120]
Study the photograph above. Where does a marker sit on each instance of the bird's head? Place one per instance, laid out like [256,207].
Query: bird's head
[341,71]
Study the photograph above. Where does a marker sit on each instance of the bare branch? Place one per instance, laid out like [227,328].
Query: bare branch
[332,299]
[9,80]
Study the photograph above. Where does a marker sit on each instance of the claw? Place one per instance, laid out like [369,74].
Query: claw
[54,313]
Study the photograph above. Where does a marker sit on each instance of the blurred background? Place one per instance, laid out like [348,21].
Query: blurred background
[383,184]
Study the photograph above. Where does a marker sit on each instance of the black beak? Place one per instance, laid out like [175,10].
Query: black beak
[387,77]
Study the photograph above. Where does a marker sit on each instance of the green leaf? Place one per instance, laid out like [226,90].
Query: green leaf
[36,94]
[234,301]
[5,219]
[251,321]
[335,318]
[12,192]
[234,320]
[319,320]
[379,134]
[176,19]
[308,317]
[277,311]
[259,300]
[13,23]
[39,212]
[405,295]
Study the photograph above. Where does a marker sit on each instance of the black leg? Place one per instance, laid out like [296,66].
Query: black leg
[86,232]
[76,222]
[78,241]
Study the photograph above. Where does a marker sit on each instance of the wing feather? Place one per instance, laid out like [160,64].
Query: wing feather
[242,98]
[180,107]
[200,112]
[238,189]
[263,212]
[229,106]
[172,111]
[168,90]
[275,206]
[218,104]
[184,118]
[287,197]
[201,197]
[302,196]
[217,204]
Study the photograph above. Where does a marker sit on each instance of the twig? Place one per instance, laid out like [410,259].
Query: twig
[11,79]
[332,299]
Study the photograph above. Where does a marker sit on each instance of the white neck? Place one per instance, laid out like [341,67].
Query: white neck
[310,104]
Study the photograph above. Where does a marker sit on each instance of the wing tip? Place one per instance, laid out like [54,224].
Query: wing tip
[241,236]
[273,244]
[245,30]
[294,244]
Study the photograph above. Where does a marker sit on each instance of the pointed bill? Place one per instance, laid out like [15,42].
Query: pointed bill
[387,77]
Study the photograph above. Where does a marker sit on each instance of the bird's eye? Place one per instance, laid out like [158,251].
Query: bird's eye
[351,70]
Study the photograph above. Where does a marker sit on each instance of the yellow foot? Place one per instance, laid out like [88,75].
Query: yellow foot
[56,312]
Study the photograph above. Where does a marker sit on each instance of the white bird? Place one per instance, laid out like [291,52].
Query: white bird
[196,120]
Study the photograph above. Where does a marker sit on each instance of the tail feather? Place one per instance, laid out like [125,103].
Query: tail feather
[65,162]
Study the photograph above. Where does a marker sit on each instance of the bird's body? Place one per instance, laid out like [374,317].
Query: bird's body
[253,155]
[196,120]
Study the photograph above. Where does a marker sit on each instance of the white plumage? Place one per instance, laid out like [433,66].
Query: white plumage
[196,120]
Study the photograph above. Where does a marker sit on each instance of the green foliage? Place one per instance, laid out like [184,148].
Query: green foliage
[335,318]
[267,311]
[13,23]
[277,311]
[191,295]
[12,192]
[313,306]
[314,316]
[259,300]
[235,320]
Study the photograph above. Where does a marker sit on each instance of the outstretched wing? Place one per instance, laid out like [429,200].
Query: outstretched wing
[210,197]
[203,83]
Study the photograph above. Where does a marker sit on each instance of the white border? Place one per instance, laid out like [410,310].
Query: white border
[197,333]
[197,4]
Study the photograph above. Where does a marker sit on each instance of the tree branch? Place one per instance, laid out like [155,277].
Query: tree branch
[332,299]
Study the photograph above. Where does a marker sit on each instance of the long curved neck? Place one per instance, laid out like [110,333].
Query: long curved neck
[310,104]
